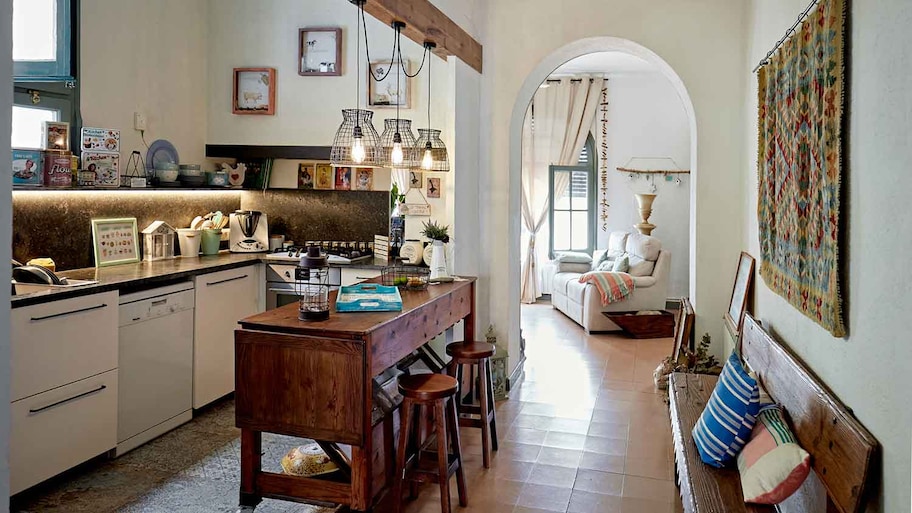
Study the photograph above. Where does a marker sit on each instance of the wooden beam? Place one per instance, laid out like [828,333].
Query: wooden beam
[424,22]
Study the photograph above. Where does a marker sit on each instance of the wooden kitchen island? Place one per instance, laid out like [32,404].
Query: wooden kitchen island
[315,380]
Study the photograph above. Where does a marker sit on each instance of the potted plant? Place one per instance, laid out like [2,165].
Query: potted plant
[439,236]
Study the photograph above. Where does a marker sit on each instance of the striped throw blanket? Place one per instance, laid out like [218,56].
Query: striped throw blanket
[612,286]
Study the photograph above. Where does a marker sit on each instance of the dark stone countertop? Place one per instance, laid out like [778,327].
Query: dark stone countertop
[143,275]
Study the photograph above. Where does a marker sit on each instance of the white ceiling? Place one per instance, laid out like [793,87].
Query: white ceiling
[610,63]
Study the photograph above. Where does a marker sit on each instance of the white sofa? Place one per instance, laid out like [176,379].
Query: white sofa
[650,266]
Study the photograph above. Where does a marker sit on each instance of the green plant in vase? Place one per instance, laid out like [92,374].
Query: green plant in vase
[434,231]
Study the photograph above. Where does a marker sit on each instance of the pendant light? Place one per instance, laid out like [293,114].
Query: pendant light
[398,142]
[356,142]
[434,156]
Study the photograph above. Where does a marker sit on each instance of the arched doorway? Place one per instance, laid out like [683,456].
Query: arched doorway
[531,84]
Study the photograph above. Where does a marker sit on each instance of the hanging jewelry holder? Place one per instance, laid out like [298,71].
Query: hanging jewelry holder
[603,162]
[135,175]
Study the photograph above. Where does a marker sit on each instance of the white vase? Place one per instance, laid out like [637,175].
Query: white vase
[438,261]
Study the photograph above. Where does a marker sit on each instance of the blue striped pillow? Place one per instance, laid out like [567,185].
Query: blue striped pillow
[726,423]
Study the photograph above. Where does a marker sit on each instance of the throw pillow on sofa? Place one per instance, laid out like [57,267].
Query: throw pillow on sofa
[640,267]
[772,465]
[570,267]
[622,264]
[603,257]
[572,257]
[730,414]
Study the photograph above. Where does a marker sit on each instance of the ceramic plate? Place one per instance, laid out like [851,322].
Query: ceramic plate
[161,151]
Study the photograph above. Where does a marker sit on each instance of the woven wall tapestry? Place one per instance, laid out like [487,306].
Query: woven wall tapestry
[801,105]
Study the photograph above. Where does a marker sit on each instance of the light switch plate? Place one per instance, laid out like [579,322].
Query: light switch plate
[139,121]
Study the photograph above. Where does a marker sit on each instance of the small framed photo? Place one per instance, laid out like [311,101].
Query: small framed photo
[734,317]
[364,179]
[56,135]
[323,177]
[115,241]
[306,176]
[254,91]
[320,51]
[343,178]
[433,187]
[416,180]
[387,93]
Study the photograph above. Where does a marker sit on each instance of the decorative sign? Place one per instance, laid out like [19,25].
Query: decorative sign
[115,241]
[100,139]
[106,167]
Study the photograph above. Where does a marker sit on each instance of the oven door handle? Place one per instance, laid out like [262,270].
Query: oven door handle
[290,290]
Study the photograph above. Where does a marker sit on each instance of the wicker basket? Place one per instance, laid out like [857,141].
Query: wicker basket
[406,277]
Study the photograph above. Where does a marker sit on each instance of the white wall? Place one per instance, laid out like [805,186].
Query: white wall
[6,237]
[646,118]
[147,56]
[869,368]
[525,37]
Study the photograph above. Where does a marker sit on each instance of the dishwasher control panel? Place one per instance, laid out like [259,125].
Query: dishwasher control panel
[155,303]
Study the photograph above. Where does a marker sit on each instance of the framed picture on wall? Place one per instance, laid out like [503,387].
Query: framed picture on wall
[320,51]
[433,187]
[416,180]
[363,179]
[323,177]
[390,92]
[738,303]
[306,176]
[115,241]
[254,91]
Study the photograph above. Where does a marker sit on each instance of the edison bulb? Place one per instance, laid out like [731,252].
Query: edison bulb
[396,155]
[358,153]
[428,161]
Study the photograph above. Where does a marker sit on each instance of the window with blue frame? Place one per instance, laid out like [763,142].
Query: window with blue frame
[44,68]
[572,203]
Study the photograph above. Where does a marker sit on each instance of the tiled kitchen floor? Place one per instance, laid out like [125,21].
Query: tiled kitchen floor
[585,432]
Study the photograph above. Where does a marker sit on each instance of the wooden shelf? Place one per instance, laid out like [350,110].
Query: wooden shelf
[111,189]
[246,152]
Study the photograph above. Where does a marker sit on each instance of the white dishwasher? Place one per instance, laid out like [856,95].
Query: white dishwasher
[155,363]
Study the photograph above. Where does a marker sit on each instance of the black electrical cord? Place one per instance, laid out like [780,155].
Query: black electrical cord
[423,58]
[367,49]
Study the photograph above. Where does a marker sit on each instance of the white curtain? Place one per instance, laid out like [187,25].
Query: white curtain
[563,114]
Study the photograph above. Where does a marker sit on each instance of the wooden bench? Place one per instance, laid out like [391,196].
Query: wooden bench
[841,448]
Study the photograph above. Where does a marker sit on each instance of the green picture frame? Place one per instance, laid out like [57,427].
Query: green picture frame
[115,241]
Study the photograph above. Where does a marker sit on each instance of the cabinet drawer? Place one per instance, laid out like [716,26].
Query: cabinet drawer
[222,299]
[61,428]
[353,276]
[56,343]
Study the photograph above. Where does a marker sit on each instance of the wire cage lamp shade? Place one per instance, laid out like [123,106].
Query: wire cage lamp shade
[432,153]
[357,142]
[398,152]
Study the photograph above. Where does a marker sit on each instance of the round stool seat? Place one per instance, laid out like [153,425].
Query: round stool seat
[471,350]
[427,387]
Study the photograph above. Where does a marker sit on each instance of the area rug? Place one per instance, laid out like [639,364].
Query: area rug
[800,161]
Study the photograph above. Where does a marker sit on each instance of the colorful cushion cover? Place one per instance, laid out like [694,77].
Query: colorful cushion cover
[726,423]
[772,465]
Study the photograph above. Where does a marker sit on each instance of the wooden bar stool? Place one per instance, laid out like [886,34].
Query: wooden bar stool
[478,356]
[426,391]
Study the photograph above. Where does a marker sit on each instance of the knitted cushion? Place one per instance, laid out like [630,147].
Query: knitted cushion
[772,465]
[726,423]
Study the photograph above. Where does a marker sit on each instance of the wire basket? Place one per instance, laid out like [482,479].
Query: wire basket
[406,277]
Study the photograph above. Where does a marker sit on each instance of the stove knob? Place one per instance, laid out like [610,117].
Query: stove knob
[288,274]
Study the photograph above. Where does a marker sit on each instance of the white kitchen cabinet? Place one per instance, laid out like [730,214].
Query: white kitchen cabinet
[59,342]
[351,276]
[61,428]
[222,299]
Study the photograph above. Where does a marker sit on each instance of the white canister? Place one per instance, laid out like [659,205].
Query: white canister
[412,252]
[276,242]
[189,241]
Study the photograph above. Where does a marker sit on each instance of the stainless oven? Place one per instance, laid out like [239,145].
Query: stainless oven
[280,284]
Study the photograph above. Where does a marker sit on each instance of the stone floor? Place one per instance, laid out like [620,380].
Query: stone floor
[584,432]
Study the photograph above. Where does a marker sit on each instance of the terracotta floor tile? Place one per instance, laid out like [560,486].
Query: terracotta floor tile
[513,470]
[651,489]
[577,426]
[552,475]
[517,452]
[617,430]
[655,468]
[543,497]
[604,483]
[631,505]
[602,462]
[601,445]
[526,436]
[588,502]
[564,440]
[560,457]
[532,421]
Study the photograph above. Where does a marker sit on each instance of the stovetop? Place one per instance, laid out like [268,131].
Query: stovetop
[335,253]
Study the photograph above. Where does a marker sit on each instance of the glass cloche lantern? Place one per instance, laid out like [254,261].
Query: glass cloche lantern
[312,285]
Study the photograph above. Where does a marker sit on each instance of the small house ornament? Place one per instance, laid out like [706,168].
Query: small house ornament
[499,372]
[158,241]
